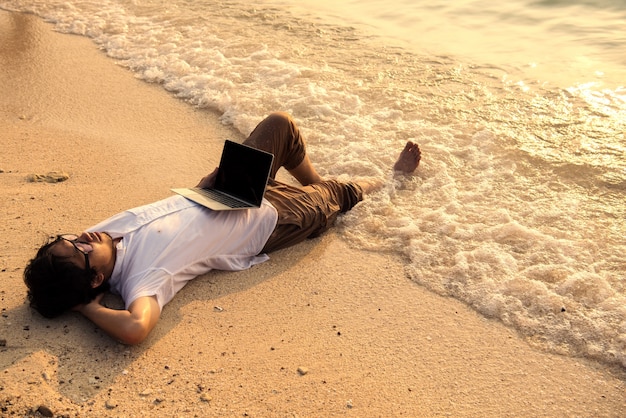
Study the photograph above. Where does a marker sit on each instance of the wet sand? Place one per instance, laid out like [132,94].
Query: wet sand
[320,330]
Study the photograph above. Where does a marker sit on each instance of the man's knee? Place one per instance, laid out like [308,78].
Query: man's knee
[281,121]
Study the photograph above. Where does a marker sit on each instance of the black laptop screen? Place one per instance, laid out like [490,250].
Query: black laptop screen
[243,172]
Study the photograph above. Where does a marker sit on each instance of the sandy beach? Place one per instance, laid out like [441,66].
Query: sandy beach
[320,330]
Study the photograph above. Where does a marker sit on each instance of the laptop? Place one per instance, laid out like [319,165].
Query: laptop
[241,179]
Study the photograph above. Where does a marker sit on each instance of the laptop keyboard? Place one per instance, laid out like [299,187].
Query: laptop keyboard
[222,198]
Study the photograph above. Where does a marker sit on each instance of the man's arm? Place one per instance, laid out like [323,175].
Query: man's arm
[130,326]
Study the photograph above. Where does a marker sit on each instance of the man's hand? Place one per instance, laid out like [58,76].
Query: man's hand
[208,181]
[80,308]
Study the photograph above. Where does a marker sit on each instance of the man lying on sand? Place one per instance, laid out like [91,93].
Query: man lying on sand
[148,254]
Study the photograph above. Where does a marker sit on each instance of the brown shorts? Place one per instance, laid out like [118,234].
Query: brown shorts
[303,212]
[306,212]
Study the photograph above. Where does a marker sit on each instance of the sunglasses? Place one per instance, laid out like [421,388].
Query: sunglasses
[80,246]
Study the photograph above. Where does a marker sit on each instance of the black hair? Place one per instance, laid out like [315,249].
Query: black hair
[55,285]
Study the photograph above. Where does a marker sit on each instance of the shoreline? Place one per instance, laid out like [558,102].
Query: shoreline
[369,341]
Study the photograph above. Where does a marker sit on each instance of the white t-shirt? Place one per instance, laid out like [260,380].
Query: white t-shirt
[167,243]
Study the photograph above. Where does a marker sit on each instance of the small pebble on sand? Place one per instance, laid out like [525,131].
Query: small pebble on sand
[50,177]
[146,392]
[45,411]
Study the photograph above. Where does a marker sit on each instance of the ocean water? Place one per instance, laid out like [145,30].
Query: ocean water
[519,206]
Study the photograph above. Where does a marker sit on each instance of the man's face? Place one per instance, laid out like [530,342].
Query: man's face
[93,250]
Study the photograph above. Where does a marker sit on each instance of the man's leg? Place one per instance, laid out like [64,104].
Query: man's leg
[305,212]
[279,135]
[308,211]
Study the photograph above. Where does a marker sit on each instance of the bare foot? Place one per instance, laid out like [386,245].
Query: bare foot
[409,158]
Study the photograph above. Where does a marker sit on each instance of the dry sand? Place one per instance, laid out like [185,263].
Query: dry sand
[320,330]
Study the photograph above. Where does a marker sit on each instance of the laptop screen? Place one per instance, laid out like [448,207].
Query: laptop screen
[243,172]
